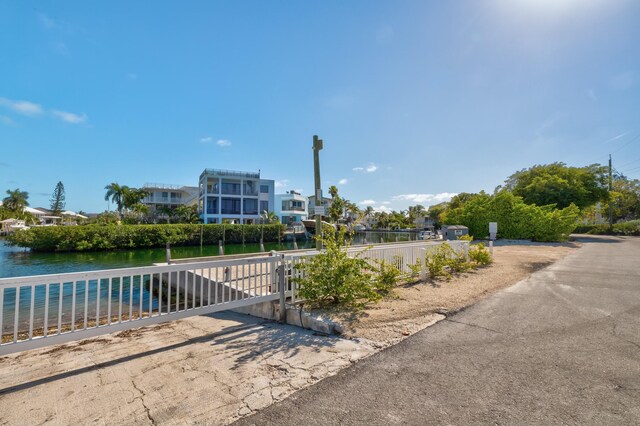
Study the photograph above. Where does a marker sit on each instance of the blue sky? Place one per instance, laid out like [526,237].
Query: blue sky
[415,100]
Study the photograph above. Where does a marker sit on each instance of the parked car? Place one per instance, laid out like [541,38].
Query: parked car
[426,235]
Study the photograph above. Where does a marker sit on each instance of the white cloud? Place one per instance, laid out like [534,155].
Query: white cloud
[206,139]
[425,198]
[47,22]
[369,169]
[223,142]
[22,107]
[367,202]
[283,183]
[343,181]
[386,202]
[621,135]
[6,120]
[69,117]
[60,48]
[383,209]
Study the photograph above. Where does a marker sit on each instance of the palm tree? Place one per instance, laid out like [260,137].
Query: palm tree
[16,200]
[187,214]
[269,217]
[116,194]
[133,196]
[333,191]
[417,211]
[368,212]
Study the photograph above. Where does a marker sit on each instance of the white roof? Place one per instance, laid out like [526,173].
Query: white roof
[70,213]
[33,211]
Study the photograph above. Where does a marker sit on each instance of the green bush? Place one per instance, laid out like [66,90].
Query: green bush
[110,237]
[333,278]
[516,220]
[631,227]
[479,255]
[387,277]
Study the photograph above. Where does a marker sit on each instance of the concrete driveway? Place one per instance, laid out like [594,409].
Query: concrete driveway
[561,347]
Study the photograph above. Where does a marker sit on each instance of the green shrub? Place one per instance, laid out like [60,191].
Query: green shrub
[387,277]
[515,219]
[109,237]
[631,227]
[415,268]
[436,261]
[334,278]
[479,255]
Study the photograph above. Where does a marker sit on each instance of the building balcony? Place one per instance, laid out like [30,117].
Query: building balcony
[230,211]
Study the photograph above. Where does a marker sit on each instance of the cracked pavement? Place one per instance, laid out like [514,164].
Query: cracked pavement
[205,369]
[560,347]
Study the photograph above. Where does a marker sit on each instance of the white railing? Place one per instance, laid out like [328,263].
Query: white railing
[48,309]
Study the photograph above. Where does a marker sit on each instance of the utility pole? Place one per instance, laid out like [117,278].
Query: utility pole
[317,146]
[610,199]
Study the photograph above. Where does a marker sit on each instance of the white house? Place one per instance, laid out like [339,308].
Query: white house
[167,195]
[234,196]
[291,207]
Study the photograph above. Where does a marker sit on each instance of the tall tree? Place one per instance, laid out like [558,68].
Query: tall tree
[115,194]
[15,200]
[58,198]
[560,185]
[132,197]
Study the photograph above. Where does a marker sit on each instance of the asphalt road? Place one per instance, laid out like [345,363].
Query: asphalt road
[562,347]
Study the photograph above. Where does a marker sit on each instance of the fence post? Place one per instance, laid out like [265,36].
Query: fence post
[168,253]
[491,247]
[282,289]
[423,273]
[466,250]
[220,248]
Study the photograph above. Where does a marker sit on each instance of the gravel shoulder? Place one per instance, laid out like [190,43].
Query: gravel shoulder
[415,306]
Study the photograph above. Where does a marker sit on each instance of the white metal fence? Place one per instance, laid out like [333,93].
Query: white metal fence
[49,309]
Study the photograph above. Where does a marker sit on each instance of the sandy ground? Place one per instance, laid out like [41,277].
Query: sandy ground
[415,306]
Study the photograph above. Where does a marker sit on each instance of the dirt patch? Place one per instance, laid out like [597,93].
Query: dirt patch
[415,306]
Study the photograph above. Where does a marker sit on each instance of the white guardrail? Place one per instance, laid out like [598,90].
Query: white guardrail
[50,309]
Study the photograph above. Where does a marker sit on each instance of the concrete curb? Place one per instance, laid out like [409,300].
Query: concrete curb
[295,316]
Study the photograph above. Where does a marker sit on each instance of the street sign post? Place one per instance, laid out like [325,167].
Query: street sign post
[493,230]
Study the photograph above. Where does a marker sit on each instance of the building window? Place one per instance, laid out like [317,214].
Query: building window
[264,206]
[229,188]
[264,189]
[250,206]
[212,205]
[230,206]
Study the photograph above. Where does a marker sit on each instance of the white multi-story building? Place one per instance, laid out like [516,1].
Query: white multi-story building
[170,196]
[236,197]
[326,203]
[291,207]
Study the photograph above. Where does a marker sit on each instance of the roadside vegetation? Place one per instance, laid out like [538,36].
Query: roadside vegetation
[338,278]
[631,227]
